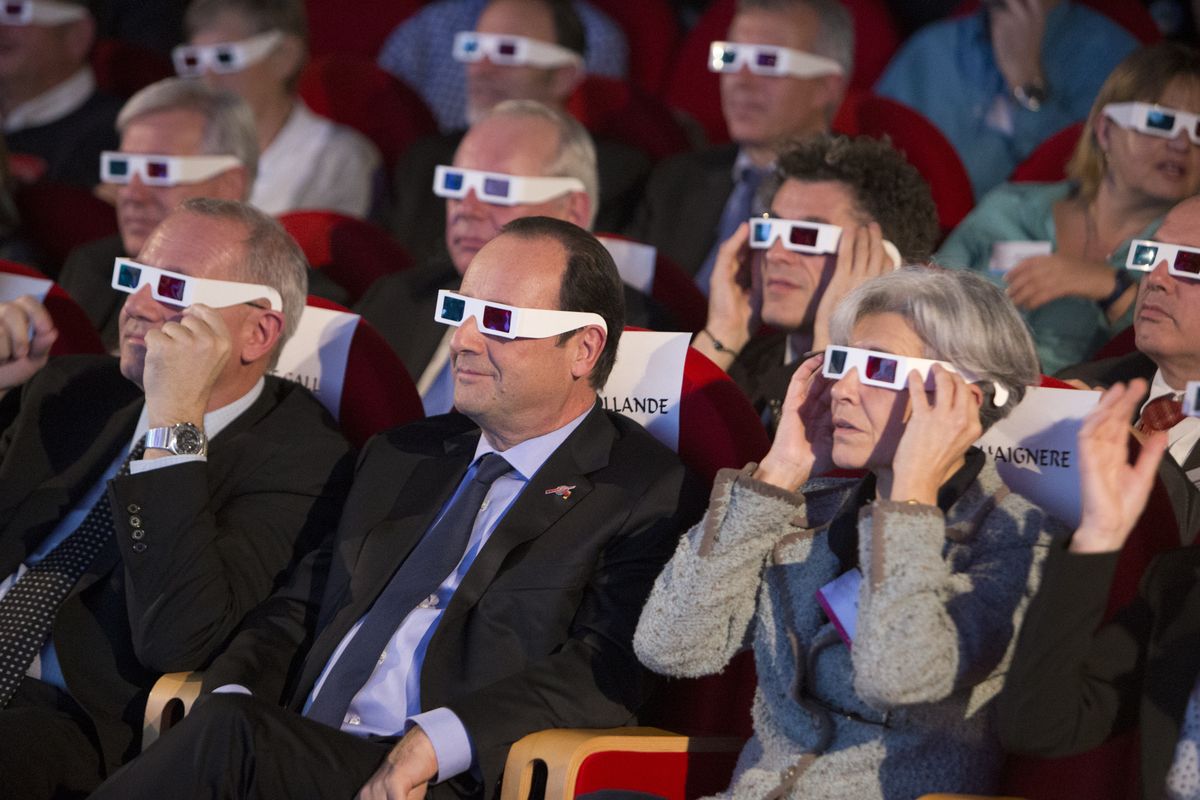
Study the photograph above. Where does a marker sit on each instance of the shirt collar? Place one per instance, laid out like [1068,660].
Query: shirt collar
[743,162]
[1159,387]
[216,420]
[53,104]
[528,456]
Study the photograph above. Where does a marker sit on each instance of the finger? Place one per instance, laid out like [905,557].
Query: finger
[944,390]
[14,331]
[844,265]
[916,394]
[877,258]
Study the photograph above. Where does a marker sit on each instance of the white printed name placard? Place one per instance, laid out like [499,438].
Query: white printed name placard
[635,261]
[315,356]
[14,286]
[647,381]
[1006,255]
[1035,448]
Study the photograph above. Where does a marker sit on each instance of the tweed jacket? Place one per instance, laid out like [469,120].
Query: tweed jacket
[905,711]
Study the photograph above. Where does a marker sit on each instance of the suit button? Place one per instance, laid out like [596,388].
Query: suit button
[139,547]
[135,521]
[133,508]
[137,535]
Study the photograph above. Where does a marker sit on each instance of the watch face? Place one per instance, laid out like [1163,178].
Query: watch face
[188,440]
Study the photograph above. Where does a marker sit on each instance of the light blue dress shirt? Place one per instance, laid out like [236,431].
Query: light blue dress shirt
[45,666]
[948,72]
[390,701]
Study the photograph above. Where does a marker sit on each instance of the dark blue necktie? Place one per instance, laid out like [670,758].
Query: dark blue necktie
[434,557]
[738,208]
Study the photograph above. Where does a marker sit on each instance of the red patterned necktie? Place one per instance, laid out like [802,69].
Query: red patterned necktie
[1161,414]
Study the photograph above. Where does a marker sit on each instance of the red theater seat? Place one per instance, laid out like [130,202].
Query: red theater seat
[352,252]
[75,331]
[652,31]
[59,217]
[122,68]
[1049,161]
[614,109]
[359,29]
[672,288]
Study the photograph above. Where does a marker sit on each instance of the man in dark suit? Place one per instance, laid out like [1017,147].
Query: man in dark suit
[695,201]
[533,627]
[1071,686]
[1166,323]
[129,545]
[416,222]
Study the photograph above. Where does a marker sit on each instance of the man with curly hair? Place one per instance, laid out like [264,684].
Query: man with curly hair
[839,212]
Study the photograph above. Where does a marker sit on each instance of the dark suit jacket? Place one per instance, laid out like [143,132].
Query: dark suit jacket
[419,216]
[87,276]
[219,535]
[1068,689]
[539,633]
[71,145]
[682,206]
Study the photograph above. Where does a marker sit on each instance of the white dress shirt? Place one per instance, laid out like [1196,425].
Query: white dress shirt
[1182,438]
[53,104]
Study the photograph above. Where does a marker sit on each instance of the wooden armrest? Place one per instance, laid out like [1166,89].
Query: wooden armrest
[170,700]
[563,750]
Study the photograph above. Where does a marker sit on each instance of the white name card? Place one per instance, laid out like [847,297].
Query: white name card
[1035,448]
[635,261]
[1006,255]
[14,286]
[316,355]
[647,381]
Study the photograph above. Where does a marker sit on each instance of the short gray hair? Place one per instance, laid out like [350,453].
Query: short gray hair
[835,39]
[962,318]
[229,123]
[273,258]
[576,157]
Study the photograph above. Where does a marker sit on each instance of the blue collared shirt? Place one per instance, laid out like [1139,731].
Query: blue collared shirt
[419,52]
[948,72]
[390,701]
[45,666]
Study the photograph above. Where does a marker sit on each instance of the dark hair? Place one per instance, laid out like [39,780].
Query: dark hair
[591,282]
[885,187]
[263,15]
[568,27]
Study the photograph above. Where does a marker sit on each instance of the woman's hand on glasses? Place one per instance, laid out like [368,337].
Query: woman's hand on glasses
[803,444]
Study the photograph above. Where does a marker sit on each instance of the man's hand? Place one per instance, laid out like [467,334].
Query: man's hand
[732,316]
[860,258]
[1040,279]
[183,361]
[1114,491]
[935,437]
[1017,28]
[406,772]
[26,334]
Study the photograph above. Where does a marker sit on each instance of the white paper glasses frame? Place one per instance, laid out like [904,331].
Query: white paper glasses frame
[1154,120]
[512,51]
[766,59]
[40,12]
[155,170]
[192,59]
[1146,254]
[1191,399]
[803,236]
[499,188]
[890,371]
[510,322]
[184,290]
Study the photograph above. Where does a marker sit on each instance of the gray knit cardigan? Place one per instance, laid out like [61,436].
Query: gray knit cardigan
[905,711]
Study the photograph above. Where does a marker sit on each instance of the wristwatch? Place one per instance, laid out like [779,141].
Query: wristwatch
[1031,95]
[184,439]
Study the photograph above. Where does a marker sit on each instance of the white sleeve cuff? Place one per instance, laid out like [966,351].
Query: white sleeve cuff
[232,688]
[451,743]
[146,465]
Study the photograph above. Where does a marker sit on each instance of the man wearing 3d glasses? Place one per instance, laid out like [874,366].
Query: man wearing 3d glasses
[179,139]
[839,212]
[486,577]
[147,503]
[783,72]
[518,50]
[52,112]
[1167,332]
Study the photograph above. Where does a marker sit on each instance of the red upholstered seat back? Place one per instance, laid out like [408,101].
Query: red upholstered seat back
[75,331]
[717,425]
[614,109]
[122,68]
[352,90]
[354,253]
[58,217]
[377,393]
[359,29]
[652,32]
[1049,161]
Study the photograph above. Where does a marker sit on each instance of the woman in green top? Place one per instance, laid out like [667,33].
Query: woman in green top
[1122,181]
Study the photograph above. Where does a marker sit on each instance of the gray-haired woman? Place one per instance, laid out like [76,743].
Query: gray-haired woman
[924,565]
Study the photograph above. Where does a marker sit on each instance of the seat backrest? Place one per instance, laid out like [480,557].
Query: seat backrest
[614,109]
[866,114]
[876,39]
[351,369]
[669,285]
[123,68]
[75,332]
[58,217]
[652,31]
[352,90]
[1123,344]
[359,29]
[1048,162]
[352,252]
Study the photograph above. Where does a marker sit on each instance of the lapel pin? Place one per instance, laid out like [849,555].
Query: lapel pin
[562,491]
